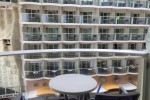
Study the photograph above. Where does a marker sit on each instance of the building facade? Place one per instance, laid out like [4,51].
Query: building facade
[83,24]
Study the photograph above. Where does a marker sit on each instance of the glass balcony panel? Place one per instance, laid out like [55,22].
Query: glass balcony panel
[133,68]
[87,71]
[87,2]
[34,74]
[70,37]
[89,19]
[51,1]
[139,4]
[105,70]
[52,37]
[88,37]
[53,55]
[121,54]
[31,1]
[69,71]
[122,3]
[32,37]
[33,56]
[52,73]
[120,70]
[122,37]
[69,2]
[107,20]
[70,54]
[28,17]
[70,19]
[51,18]
[138,20]
[107,3]
[137,36]
[123,20]
[105,54]
[107,37]
[87,54]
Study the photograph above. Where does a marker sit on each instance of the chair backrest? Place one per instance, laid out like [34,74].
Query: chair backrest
[105,96]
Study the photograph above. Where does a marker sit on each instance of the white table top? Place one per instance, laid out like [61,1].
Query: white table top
[73,84]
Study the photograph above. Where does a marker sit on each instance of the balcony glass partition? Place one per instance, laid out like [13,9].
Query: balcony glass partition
[137,36]
[69,67]
[122,37]
[107,20]
[52,55]
[87,2]
[70,19]
[106,37]
[106,3]
[32,37]
[51,18]
[70,37]
[38,1]
[33,56]
[139,4]
[88,37]
[132,66]
[139,20]
[52,37]
[33,70]
[89,19]
[87,54]
[51,1]
[85,68]
[70,54]
[69,2]
[31,15]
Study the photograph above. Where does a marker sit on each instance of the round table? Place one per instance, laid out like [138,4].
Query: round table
[74,84]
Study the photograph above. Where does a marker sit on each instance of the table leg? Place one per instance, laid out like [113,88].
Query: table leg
[66,97]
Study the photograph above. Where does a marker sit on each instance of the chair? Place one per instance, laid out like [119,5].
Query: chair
[120,96]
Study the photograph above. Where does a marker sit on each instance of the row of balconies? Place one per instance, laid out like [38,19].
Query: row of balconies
[83,37]
[115,3]
[74,55]
[80,19]
[87,71]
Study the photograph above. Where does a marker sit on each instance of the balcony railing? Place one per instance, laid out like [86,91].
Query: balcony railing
[37,1]
[82,19]
[137,36]
[69,71]
[52,37]
[11,1]
[51,18]
[105,70]
[88,37]
[34,74]
[69,2]
[52,1]
[70,37]
[32,37]
[87,71]
[89,19]
[122,37]
[52,73]
[70,19]
[52,55]
[70,54]
[113,3]
[133,69]
[33,56]
[31,17]
[87,54]
[120,70]
[106,37]
[104,54]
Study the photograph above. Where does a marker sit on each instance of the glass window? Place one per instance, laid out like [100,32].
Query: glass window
[68,65]
[84,46]
[51,30]
[52,65]
[102,46]
[116,63]
[85,30]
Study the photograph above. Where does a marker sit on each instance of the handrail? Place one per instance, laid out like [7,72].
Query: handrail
[7,53]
